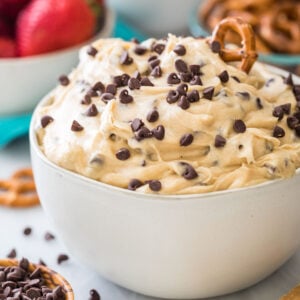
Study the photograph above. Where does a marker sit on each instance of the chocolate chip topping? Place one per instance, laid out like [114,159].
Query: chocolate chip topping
[12,254]
[136,124]
[76,126]
[111,89]
[134,184]
[107,97]
[239,126]
[193,96]
[186,139]
[125,98]
[220,141]
[158,48]
[286,108]
[154,185]
[134,84]
[153,116]
[196,69]
[280,110]
[243,95]
[172,96]
[208,92]
[183,103]
[143,133]
[152,57]
[92,51]
[46,120]
[196,80]
[156,72]
[98,87]
[181,66]
[289,80]
[123,154]
[146,82]
[86,100]
[182,89]
[189,172]
[154,63]
[180,50]
[259,104]
[173,79]
[27,230]
[64,80]
[125,59]
[292,122]
[186,77]
[140,50]
[159,132]
[215,47]
[224,76]
[121,80]
[278,132]
[297,130]
[92,111]
[137,75]
[236,79]
[61,258]
[94,295]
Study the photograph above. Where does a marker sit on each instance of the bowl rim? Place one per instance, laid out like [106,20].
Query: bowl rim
[136,194]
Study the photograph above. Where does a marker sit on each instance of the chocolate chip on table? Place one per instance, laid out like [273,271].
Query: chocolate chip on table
[158,48]
[239,126]
[143,133]
[121,80]
[179,50]
[27,230]
[193,96]
[134,84]
[259,104]
[49,236]
[76,126]
[292,122]
[243,95]
[94,295]
[136,124]
[208,92]
[123,154]
[186,139]
[183,103]
[173,78]
[46,120]
[64,80]
[125,98]
[154,185]
[195,69]
[92,51]
[289,80]
[182,89]
[134,184]
[111,89]
[196,80]
[153,116]
[220,141]
[156,72]
[61,258]
[186,77]
[172,96]
[215,47]
[189,172]
[92,111]
[181,66]
[125,59]
[278,132]
[224,76]
[140,50]
[146,82]
[159,132]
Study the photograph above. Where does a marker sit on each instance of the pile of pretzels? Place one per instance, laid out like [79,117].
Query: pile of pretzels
[276,23]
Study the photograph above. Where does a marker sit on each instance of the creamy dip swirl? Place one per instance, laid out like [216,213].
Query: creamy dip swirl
[224,129]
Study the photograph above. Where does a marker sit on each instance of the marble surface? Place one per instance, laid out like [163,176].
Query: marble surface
[35,247]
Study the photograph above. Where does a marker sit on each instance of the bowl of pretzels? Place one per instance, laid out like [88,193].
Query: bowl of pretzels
[275,23]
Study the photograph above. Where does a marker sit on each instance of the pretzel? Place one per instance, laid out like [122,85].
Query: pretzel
[247,54]
[19,190]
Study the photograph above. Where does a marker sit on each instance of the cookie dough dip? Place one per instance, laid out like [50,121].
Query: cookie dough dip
[171,116]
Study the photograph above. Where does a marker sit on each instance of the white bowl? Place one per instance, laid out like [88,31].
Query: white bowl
[24,81]
[188,246]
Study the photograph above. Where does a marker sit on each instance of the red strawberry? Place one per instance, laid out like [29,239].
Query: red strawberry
[6,29]
[7,47]
[11,8]
[48,25]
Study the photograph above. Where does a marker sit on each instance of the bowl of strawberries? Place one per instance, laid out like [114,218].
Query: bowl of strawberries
[39,42]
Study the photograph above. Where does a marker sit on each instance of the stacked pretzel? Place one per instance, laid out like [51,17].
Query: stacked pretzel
[276,23]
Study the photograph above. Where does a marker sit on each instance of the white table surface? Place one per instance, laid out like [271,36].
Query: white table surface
[13,221]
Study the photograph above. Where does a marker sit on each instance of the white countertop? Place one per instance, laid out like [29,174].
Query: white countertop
[35,247]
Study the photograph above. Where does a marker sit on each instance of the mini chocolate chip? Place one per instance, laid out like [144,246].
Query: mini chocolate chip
[121,80]
[286,108]
[42,263]
[143,133]
[195,69]
[220,141]
[243,95]
[186,77]
[153,116]
[189,172]
[136,124]
[159,132]
[278,132]
[134,84]
[292,122]
[239,126]
[94,295]
[76,126]
[24,264]
[107,97]
[27,230]
[208,92]
[193,96]
[152,57]
[181,66]
[49,236]
[98,86]
[125,59]
[140,50]
[125,98]
[297,115]
[92,51]
[172,96]
[158,48]
[12,253]
[297,130]
[224,76]
[64,80]
[137,75]
[86,100]
[156,72]
[46,120]
[154,63]
[61,258]
[182,89]
[259,104]
[111,89]
[289,80]
[173,79]
[92,111]
[215,47]
[236,79]
[196,80]
[154,185]
[134,184]
[296,90]
[183,103]
[146,82]
[186,139]
[180,50]
[123,154]
[92,93]
[278,112]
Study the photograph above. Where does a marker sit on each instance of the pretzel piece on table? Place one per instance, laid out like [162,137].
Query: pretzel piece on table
[247,54]
[19,190]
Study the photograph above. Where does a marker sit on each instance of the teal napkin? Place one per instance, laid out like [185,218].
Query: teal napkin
[12,127]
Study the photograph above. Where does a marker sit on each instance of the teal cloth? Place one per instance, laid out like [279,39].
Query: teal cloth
[12,127]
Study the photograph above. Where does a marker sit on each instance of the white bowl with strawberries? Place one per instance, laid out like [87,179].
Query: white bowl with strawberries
[39,41]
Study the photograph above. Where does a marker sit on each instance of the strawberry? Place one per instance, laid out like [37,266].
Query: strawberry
[11,8]
[6,28]
[7,47]
[48,25]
